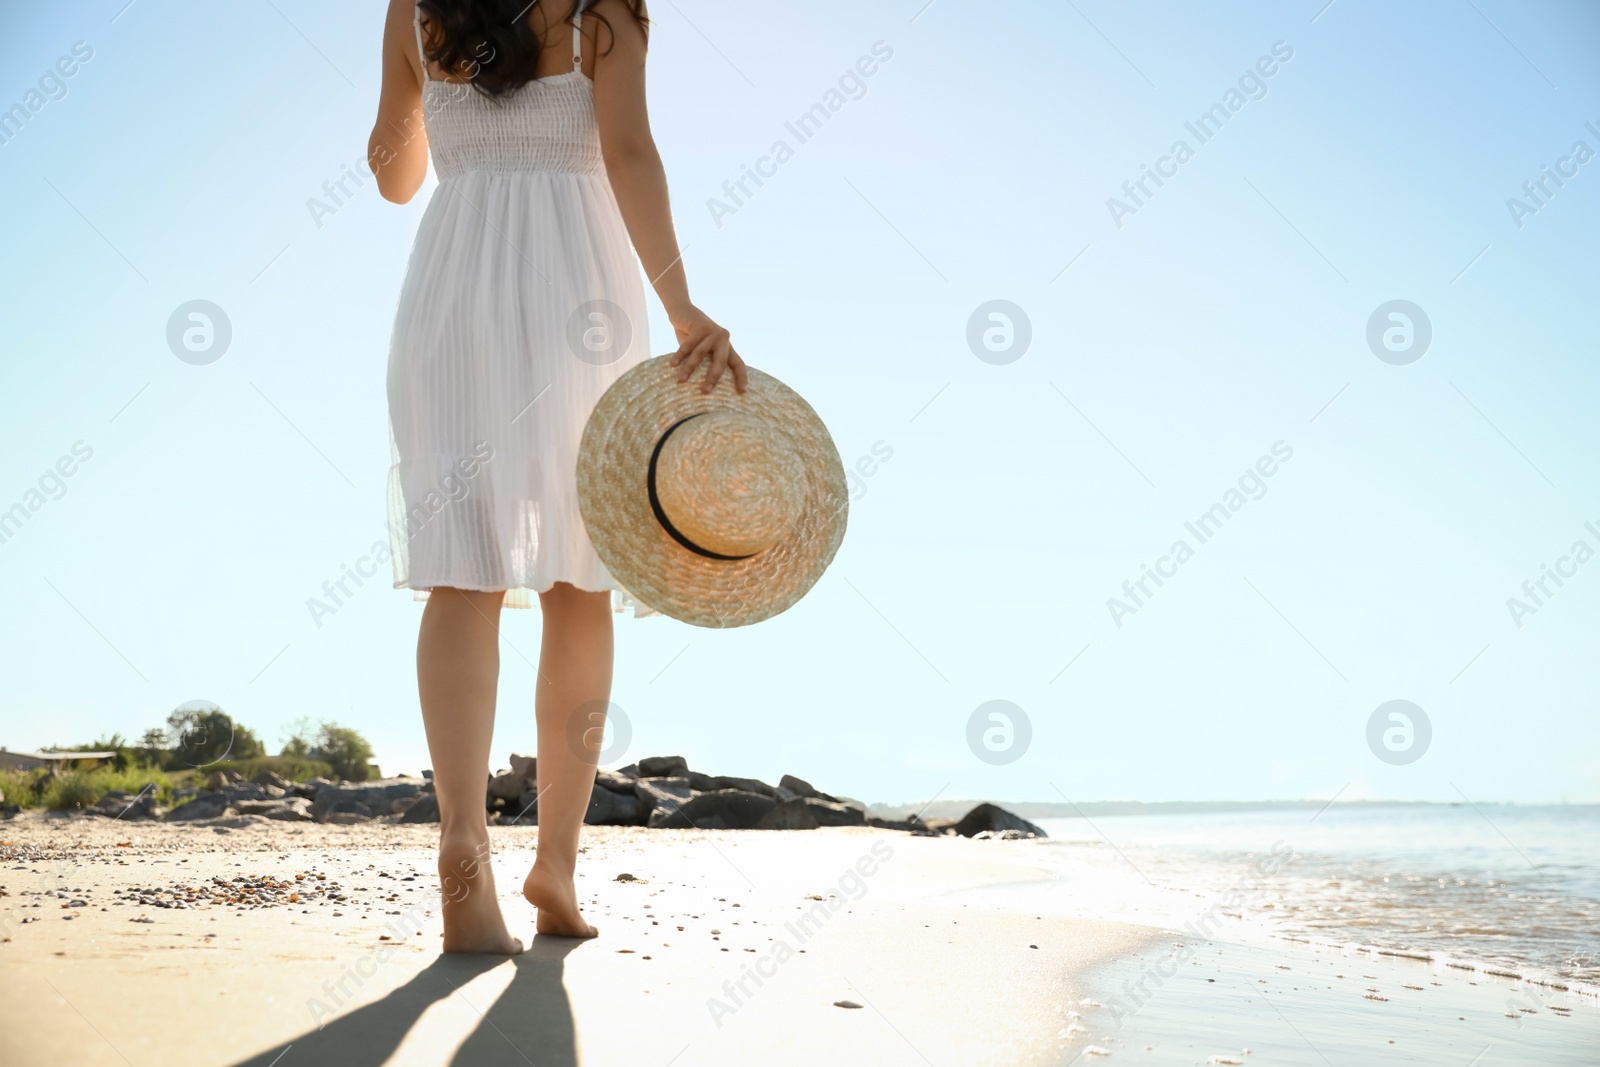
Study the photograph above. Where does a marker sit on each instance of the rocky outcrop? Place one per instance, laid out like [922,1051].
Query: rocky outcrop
[423,808]
[719,809]
[995,820]
[660,792]
[349,802]
[808,813]
[799,787]
[129,807]
[663,767]
[286,809]
[608,807]
[206,805]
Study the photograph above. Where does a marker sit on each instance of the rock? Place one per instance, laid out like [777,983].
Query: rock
[630,771]
[993,817]
[271,778]
[287,809]
[425,809]
[661,796]
[217,781]
[617,783]
[610,808]
[808,813]
[371,797]
[346,812]
[722,809]
[707,783]
[10,811]
[245,791]
[507,785]
[911,824]
[208,805]
[523,811]
[257,807]
[291,809]
[802,788]
[129,807]
[309,788]
[663,767]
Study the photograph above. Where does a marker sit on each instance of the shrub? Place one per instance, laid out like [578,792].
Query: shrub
[22,787]
[83,789]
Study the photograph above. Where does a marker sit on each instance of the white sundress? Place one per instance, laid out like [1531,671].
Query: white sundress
[522,302]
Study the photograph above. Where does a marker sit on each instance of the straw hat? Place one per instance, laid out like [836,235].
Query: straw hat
[718,510]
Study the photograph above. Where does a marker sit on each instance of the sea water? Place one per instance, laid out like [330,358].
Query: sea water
[1510,888]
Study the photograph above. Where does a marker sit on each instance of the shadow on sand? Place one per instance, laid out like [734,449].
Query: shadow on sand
[530,1023]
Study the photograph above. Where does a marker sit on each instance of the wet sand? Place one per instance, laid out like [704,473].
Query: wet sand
[1299,1005]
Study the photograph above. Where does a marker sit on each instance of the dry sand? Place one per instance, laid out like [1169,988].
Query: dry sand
[729,948]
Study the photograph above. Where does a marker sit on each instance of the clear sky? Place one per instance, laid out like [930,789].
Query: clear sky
[1176,340]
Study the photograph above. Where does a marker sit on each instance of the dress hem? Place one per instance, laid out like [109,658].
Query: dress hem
[517,595]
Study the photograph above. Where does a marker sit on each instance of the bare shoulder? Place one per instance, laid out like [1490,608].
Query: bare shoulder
[619,23]
[401,11]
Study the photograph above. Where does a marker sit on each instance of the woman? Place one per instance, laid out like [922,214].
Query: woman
[521,303]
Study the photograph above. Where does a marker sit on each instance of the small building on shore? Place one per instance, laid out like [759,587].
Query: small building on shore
[56,762]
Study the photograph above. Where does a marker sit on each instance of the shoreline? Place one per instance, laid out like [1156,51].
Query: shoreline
[1259,931]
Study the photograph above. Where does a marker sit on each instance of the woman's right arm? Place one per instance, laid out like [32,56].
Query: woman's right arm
[639,183]
[397,151]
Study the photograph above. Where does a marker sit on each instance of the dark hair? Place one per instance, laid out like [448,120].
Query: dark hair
[491,42]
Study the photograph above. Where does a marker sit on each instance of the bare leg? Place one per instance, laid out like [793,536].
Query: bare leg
[574,690]
[458,670]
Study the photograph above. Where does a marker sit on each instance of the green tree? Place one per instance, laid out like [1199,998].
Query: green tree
[345,750]
[300,738]
[153,747]
[203,736]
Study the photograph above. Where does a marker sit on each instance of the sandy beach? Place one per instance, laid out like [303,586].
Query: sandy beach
[724,947]
[245,941]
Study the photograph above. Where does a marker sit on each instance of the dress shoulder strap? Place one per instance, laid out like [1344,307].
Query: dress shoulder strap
[577,36]
[422,55]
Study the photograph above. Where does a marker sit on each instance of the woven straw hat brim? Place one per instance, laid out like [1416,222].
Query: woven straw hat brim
[613,497]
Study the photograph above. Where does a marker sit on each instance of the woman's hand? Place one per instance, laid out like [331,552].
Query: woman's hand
[700,339]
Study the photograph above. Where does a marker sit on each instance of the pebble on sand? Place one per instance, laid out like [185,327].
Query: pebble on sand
[845,1004]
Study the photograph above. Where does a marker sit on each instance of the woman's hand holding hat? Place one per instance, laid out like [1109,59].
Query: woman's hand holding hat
[700,339]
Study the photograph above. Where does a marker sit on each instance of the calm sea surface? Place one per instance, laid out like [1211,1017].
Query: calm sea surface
[1513,887]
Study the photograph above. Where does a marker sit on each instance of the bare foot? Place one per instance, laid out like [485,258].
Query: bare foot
[557,900]
[472,919]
